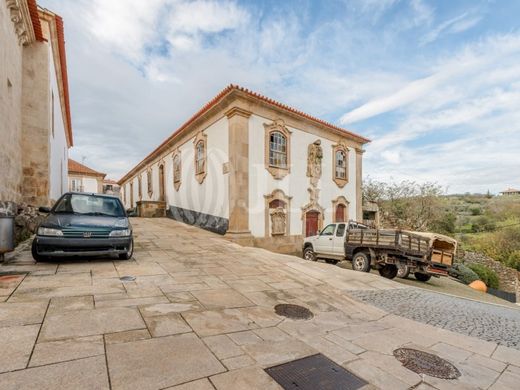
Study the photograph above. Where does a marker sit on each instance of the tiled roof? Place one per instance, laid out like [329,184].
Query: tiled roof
[225,92]
[510,190]
[76,167]
[37,27]
[64,76]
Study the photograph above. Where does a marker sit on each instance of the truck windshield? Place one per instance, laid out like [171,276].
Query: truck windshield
[89,205]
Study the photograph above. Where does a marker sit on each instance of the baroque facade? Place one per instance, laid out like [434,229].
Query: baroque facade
[36,125]
[256,170]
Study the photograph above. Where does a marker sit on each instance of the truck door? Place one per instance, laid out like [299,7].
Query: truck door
[339,240]
[324,244]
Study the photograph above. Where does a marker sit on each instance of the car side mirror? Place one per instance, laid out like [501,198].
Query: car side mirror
[44,209]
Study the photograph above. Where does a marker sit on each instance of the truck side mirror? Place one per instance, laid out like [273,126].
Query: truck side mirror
[44,209]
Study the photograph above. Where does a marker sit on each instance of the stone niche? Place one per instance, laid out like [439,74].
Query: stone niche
[151,209]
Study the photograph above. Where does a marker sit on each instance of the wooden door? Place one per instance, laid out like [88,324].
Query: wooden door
[161,183]
[311,223]
[340,213]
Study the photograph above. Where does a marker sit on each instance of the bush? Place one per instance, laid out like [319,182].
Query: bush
[487,275]
[475,211]
[463,273]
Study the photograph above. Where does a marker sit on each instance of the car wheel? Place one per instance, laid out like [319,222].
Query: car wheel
[422,277]
[308,254]
[129,253]
[361,262]
[388,271]
[34,251]
[403,271]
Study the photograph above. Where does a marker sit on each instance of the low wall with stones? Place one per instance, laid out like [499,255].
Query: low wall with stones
[508,277]
[151,209]
[26,219]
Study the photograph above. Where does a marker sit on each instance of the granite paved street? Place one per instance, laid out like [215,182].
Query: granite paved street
[486,321]
[199,315]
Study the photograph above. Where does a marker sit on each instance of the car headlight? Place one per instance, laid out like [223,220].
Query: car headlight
[120,233]
[44,231]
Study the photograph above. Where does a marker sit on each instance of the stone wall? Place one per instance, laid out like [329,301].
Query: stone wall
[26,219]
[10,108]
[151,209]
[508,277]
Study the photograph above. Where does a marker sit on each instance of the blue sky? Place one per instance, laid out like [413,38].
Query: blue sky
[434,84]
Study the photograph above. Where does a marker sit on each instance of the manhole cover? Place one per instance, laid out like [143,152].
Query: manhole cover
[127,278]
[426,363]
[314,372]
[293,312]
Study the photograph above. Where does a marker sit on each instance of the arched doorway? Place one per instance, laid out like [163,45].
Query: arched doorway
[340,213]
[311,223]
[161,183]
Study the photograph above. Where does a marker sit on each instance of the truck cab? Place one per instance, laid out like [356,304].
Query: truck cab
[329,244]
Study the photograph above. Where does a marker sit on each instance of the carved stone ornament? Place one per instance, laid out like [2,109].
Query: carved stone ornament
[314,157]
[278,221]
[21,18]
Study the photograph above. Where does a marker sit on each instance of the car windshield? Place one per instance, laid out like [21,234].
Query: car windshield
[89,205]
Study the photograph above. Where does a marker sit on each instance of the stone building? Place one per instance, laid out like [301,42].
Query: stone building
[35,125]
[256,170]
[85,179]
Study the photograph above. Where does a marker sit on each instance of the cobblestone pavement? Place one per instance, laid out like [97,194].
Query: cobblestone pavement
[199,315]
[494,323]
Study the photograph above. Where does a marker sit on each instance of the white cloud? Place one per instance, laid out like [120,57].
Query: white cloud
[458,24]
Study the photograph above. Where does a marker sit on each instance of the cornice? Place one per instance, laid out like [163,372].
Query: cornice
[21,18]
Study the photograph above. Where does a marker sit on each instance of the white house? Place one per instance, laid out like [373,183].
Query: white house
[35,115]
[256,170]
[85,179]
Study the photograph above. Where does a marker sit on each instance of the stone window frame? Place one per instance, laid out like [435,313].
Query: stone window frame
[278,125]
[340,147]
[200,138]
[140,186]
[340,200]
[177,180]
[149,182]
[277,194]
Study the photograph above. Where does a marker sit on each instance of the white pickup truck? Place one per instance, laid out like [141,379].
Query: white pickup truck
[387,250]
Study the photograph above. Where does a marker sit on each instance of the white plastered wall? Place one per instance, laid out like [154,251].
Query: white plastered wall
[296,183]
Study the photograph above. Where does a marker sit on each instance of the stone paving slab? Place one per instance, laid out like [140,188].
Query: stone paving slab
[160,362]
[83,374]
[200,315]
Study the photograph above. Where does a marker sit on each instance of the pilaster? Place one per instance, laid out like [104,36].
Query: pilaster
[238,122]
[359,184]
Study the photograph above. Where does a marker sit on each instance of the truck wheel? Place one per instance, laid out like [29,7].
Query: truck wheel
[34,251]
[403,271]
[422,277]
[308,254]
[361,262]
[388,271]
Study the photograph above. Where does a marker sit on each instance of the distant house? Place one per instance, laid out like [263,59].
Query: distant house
[84,179]
[111,187]
[510,191]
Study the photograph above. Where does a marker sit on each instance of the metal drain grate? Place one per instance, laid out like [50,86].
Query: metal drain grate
[127,278]
[313,373]
[294,312]
[426,363]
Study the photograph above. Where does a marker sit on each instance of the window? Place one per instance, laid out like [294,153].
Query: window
[200,154]
[176,169]
[75,185]
[277,150]
[329,230]
[90,205]
[140,187]
[341,165]
[341,230]
[200,161]
[149,182]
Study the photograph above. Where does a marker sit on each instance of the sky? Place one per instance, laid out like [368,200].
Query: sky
[434,84]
